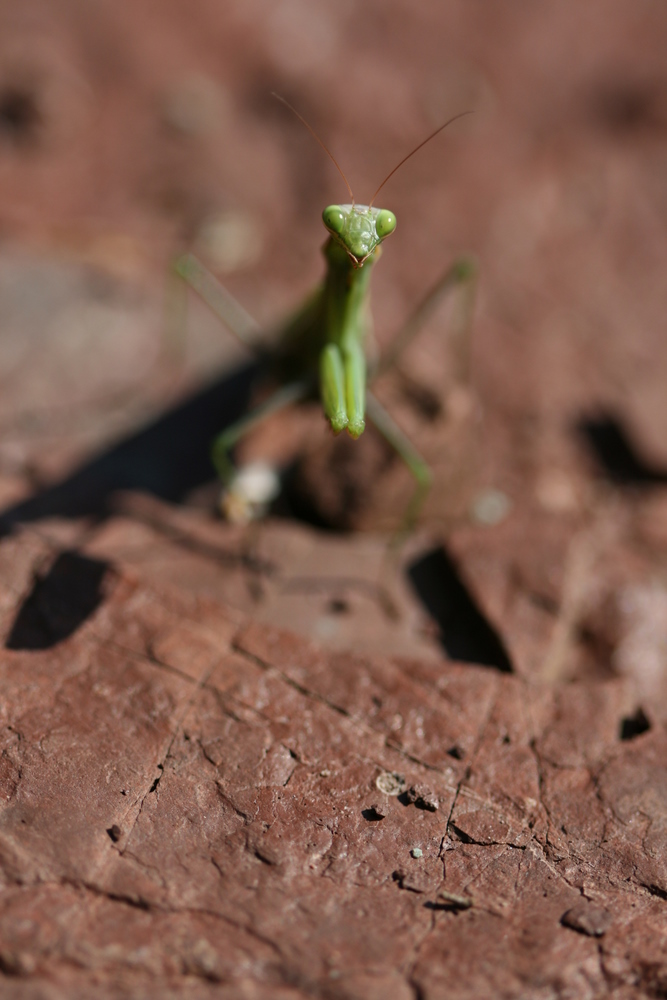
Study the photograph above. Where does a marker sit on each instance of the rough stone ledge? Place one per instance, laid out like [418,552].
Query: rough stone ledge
[190,807]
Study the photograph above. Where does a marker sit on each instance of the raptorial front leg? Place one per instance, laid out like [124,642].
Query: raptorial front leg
[343,387]
[332,387]
[354,361]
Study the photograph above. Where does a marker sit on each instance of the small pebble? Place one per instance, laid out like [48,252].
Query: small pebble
[251,492]
[422,797]
[229,241]
[587,919]
[390,783]
[416,852]
[415,881]
[556,492]
[454,900]
[490,507]
[195,106]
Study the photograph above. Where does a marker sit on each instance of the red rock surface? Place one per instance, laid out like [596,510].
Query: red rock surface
[188,809]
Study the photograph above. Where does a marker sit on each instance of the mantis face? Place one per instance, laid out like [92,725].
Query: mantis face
[358,229]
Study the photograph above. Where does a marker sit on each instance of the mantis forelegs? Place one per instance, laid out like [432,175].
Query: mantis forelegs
[343,387]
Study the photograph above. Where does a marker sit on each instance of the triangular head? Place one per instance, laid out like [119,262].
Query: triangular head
[359,229]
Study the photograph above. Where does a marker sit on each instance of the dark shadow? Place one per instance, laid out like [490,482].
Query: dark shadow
[169,458]
[655,890]
[624,107]
[634,725]
[445,907]
[294,503]
[59,602]
[607,441]
[465,634]
[20,116]
[372,815]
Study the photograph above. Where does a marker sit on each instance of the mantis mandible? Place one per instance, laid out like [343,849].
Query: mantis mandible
[322,347]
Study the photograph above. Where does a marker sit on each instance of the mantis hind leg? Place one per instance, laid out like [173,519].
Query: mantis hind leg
[240,501]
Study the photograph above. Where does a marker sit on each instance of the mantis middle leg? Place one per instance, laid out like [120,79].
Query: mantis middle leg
[417,465]
[461,276]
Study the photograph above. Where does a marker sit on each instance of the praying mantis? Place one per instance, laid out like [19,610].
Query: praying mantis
[322,348]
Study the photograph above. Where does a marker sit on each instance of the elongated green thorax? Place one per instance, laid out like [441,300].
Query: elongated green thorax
[350,253]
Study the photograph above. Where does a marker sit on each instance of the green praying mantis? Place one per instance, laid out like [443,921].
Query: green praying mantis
[322,348]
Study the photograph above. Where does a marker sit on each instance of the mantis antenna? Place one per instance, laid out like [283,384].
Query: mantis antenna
[462,114]
[317,139]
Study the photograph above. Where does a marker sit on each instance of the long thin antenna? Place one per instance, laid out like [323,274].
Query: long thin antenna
[431,136]
[317,139]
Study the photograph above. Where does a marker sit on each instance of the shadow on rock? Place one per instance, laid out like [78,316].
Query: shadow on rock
[465,634]
[606,439]
[168,459]
[59,602]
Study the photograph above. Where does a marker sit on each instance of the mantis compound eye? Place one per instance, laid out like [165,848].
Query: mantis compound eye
[334,219]
[385,223]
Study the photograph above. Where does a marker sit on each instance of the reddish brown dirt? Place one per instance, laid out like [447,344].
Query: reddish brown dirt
[194,715]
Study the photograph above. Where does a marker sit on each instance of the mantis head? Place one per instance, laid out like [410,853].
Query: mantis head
[359,229]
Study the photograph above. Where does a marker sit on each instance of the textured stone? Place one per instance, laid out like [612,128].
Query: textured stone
[189,802]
